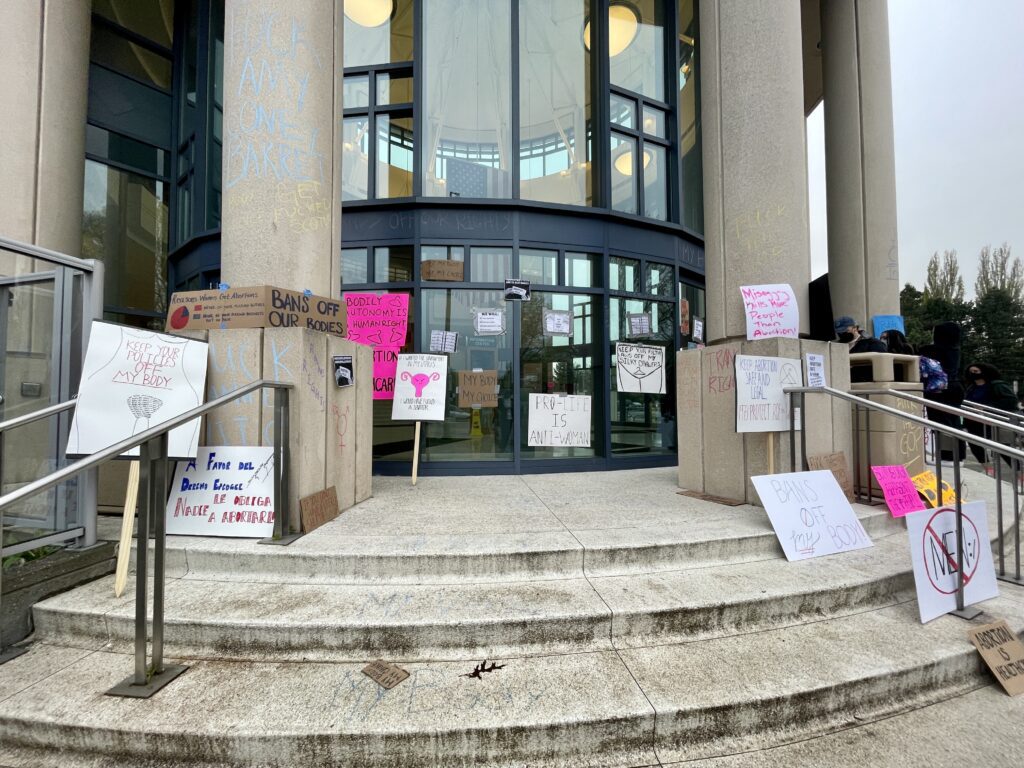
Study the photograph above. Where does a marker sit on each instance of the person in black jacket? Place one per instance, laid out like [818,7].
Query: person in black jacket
[849,332]
[986,387]
[946,350]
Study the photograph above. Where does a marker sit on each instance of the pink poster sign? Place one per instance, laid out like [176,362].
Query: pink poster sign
[900,494]
[771,311]
[378,321]
[385,364]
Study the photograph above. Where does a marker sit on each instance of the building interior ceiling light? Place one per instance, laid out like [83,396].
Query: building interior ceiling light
[623,23]
[369,13]
[624,162]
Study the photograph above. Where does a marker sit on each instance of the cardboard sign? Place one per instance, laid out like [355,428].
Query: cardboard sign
[933,551]
[133,379]
[489,322]
[639,323]
[761,405]
[517,289]
[927,485]
[260,307]
[318,508]
[810,515]
[478,388]
[698,330]
[901,495]
[444,341]
[684,317]
[385,362]
[1003,652]
[640,368]
[882,323]
[378,321]
[420,385]
[344,370]
[836,464]
[771,311]
[442,269]
[226,490]
[557,322]
[386,675]
[815,370]
[560,421]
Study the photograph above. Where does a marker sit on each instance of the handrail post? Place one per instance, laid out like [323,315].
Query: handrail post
[142,561]
[283,533]
[961,611]
[792,435]
[803,432]
[856,449]
[999,517]
[158,487]
[867,436]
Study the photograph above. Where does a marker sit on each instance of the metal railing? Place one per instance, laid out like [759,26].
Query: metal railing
[153,486]
[1013,454]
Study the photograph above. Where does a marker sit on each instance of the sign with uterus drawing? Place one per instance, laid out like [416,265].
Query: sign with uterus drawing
[421,383]
[134,379]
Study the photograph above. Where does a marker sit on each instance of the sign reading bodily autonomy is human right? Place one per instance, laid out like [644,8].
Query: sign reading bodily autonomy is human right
[420,386]
[771,311]
[381,322]
[132,380]
[560,421]
[761,403]
[810,514]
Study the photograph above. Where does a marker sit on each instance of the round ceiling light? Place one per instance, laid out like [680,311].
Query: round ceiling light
[624,162]
[369,13]
[623,23]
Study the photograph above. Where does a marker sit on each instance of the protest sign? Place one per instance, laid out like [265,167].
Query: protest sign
[1003,652]
[810,515]
[934,553]
[385,361]
[344,370]
[927,485]
[882,323]
[639,323]
[385,674]
[698,329]
[133,379]
[442,269]
[761,405]
[559,420]
[444,341]
[900,494]
[640,368]
[517,289]
[557,322]
[420,385]
[816,370]
[771,311]
[318,508]
[225,491]
[377,320]
[836,464]
[684,317]
[478,388]
[489,322]
[259,307]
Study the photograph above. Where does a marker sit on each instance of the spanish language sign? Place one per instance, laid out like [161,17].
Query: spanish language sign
[133,379]
[771,310]
[378,320]
[478,388]
[1003,651]
[810,514]
[761,405]
[226,490]
[420,385]
[901,495]
[934,553]
[640,368]
[559,420]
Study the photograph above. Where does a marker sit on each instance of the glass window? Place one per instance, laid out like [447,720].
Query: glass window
[467,98]
[442,253]
[121,149]
[660,279]
[623,153]
[356,91]
[355,158]
[554,102]
[582,270]
[623,274]
[636,47]
[655,182]
[110,49]
[394,156]
[153,19]
[392,264]
[490,265]
[354,266]
[622,111]
[394,89]
[377,32]
[538,266]
[654,122]
[690,164]
[691,305]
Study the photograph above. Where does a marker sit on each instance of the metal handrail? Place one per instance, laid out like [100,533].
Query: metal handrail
[36,252]
[42,413]
[999,413]
[951,409]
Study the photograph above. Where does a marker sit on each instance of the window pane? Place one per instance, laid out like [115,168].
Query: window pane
[356,91]
[353,266]
[394,156]
[538,266]
[690,165]
[554,102]
[377,32]
[623,274]
[490,265]
[623,149]
[121,149]
[392,265]
[655,182]
[394,89]
[583,270]
[637,47]
[654,122]
[623,111]
[111,50]
[467,99]
[354,158]
[153,19]
[660,279]
[442,253]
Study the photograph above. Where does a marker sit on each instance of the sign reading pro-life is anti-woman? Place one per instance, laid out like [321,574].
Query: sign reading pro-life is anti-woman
[133,379]
[810,514]
[561,421]
[761,403]
[420,385]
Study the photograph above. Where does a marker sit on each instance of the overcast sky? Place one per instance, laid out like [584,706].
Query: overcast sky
[958,110]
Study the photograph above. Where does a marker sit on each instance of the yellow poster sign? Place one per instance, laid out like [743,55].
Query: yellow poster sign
[927,485]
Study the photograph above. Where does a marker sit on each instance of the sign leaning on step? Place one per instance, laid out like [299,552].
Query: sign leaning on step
[810,514]
[761,404]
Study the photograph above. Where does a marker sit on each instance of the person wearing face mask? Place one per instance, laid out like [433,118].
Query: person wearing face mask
[850,333]
[945,349]
[986,387]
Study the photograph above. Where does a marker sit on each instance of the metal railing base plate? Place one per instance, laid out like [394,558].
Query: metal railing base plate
[283,541]
[127,687]
[1011,579]
[967,614]
[11,653]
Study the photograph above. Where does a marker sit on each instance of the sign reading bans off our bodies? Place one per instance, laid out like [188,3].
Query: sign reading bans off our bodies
[761,404]
[559,421]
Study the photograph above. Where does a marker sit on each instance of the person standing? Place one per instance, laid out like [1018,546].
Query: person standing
[849,332]
[945,348]
[987,387]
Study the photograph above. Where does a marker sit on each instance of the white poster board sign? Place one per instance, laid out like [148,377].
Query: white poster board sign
[816,370]
[226,490]
[640,368]
[933,551]
[444,341]
[133,379]
[771,311]
[810,514]
[557,322]
[489,322]
[420,385]
[698,329]
[560,421]
[761,405]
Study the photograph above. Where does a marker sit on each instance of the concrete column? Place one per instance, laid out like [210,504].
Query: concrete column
[282,213]
[42,156]
[755,158]
[860,159]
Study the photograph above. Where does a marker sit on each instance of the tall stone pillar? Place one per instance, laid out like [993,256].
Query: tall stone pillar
[859,159]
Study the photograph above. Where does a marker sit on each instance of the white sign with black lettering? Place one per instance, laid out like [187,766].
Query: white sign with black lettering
[421,382]
[815,370]
[640,368]
[761,405]
[810,514]
[560,421]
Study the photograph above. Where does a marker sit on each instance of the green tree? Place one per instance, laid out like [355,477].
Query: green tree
[997,272]
[943,280]
[922,312]
[998,318]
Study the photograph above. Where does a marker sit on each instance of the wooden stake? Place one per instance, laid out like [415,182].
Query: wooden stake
[124,550]
[416,454]
[771,452]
